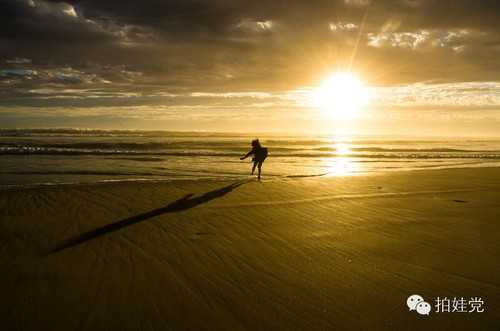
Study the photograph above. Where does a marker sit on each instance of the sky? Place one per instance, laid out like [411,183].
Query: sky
[238,65]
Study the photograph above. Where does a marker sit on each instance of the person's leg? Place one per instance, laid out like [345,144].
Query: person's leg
[253,168]
[260,166]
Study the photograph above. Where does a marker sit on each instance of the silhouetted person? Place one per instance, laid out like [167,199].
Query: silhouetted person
[259,155]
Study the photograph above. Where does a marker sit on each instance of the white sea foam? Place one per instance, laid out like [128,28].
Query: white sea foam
[73,156]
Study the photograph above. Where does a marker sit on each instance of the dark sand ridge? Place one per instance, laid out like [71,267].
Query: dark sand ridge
[321,254]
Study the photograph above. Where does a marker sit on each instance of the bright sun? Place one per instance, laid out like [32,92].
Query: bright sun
[342,95]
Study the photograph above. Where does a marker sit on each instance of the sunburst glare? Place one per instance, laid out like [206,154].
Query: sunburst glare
[341,95]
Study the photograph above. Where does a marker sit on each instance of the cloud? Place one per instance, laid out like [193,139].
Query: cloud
[457,40]
[18,60]
[49,75]
[256,26]
[256,95]
[218,46]
[466,95]
[398,39]
[342,26]
[18,73]
[34,21]
[52,8]
[358,2]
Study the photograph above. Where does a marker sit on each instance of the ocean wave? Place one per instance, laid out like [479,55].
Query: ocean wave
[73,132]
[298,153]
[81,173]
[219,147]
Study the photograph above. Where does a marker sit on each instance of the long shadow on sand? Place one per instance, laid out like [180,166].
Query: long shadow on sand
[182,204]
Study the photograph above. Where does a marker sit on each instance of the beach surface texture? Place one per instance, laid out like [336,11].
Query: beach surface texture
[336,253]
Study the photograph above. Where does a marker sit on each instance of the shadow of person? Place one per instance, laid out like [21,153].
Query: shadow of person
[184,203]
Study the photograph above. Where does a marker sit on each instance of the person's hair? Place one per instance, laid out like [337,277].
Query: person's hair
[255,143]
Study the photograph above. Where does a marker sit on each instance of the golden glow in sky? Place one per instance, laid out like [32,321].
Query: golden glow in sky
[341,96]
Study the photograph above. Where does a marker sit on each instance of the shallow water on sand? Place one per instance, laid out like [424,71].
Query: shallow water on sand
[74,156]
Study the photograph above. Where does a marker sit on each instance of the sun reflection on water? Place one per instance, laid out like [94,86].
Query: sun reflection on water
[341,164]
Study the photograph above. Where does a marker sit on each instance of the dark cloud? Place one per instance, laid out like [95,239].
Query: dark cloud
[241,44]
[37,21]
[205,17]
[18,60]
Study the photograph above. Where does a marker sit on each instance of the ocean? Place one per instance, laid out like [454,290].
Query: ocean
[64,156]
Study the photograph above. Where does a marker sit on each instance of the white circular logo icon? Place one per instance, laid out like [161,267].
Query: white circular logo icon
[413,301]
[423,308]
[416,302]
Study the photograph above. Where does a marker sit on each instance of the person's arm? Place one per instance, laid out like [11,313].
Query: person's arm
[248,154]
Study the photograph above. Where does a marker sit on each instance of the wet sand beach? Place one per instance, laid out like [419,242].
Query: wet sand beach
[326,253]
